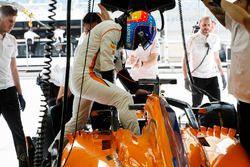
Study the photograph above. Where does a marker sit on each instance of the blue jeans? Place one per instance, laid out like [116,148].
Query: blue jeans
[9,108]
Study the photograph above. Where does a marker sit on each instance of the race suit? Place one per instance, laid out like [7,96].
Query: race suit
[93,55]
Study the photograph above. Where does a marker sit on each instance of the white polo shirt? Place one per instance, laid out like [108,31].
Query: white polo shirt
[197,49]
[8,50]
[239,78]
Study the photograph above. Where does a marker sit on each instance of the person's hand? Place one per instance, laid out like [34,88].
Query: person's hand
[138,64]
[224,82]
[22,102]
[187,84]
[132,59]
[119,65]
[141,92]
[104,13]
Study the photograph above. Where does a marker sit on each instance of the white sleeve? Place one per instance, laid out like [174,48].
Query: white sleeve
[15,52]
[155,47]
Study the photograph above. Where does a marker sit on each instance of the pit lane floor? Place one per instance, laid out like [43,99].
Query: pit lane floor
[30,116]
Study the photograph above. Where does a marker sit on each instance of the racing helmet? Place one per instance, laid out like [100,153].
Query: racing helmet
[140,29]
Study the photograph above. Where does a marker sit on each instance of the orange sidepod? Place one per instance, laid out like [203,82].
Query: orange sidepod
[215,147]
[90,150]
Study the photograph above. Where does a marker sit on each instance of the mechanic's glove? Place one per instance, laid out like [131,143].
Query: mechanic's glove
[224,82]
[187,84]
[22,102]
[119,65]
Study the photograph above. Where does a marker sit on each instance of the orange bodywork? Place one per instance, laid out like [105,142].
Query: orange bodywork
[223,150]
[159,145]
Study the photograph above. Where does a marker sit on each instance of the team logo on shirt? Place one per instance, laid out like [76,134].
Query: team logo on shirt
[113,47]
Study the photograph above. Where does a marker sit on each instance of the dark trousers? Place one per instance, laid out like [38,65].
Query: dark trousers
[244,124]
[210,85]
[9,108]
[50,91]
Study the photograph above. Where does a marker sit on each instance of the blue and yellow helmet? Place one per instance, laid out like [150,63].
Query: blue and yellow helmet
[141,29]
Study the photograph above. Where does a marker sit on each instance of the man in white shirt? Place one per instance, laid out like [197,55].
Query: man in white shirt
[30,34]
[29,37]
[59,39]
[202,48]
[59,34]
[10,88]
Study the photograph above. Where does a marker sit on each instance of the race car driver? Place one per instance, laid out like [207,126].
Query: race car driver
[94,56]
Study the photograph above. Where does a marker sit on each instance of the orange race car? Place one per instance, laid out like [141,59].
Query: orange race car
[162,143]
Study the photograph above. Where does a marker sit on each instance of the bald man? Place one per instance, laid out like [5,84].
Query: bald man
[203,51]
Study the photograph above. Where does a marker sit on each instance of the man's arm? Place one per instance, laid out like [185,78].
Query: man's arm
[152,60]
[237,13]
[187,83]
[184,67]
[104,13]
[131,60]
[15,75]
[218,62]
[217,11]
